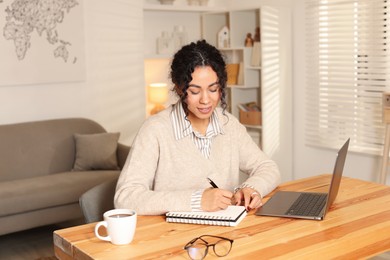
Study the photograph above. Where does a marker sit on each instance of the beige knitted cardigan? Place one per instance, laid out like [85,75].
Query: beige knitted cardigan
[161,173]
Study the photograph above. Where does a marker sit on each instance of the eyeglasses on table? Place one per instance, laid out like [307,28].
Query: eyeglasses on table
[197,248]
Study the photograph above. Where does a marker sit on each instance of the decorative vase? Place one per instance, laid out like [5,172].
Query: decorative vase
[179,37]
[164,43]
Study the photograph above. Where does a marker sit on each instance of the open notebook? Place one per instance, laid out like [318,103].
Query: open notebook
[231,216]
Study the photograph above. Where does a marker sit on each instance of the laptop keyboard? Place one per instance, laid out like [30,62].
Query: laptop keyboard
[308,204]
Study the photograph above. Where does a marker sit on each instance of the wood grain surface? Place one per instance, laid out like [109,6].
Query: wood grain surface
[356,227]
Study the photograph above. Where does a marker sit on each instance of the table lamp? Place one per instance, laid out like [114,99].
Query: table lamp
[158,95]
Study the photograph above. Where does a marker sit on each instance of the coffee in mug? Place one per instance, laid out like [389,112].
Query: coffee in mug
[120,215]
[120,225]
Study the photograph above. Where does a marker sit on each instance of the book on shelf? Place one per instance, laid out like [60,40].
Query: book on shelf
[251,106]
[231,216]
[232,70]
[250,113]
[242,107]
[240,77]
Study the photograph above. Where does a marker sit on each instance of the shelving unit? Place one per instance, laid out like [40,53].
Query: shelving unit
[205,22]
[167,20]
[240,22]
[158,18]
[268,84]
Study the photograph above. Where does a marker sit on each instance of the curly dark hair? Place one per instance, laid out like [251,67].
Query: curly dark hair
[191,56]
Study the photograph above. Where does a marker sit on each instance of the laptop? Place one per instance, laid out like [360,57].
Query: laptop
[306,205]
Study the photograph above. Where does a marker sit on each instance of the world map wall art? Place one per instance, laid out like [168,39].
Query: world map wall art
[41,41]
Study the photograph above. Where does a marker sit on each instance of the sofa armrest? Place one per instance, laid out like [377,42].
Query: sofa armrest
[122,152]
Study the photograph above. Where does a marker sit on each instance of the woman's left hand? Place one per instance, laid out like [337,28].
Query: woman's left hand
[248,197]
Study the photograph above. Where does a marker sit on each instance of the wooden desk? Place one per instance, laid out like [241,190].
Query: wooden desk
[357,226]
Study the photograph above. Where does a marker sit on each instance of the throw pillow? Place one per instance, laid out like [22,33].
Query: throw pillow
[96,151]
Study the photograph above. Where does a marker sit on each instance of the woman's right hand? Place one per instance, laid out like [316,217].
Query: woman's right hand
[214,199]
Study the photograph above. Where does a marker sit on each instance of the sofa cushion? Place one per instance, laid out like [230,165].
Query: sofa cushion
[19,196]
[96,151]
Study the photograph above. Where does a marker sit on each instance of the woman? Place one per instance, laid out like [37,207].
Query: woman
[176,150]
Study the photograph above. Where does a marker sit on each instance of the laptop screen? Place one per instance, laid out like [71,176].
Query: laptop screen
[337,174]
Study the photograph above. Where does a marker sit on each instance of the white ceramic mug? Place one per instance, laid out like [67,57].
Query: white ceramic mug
[120,225]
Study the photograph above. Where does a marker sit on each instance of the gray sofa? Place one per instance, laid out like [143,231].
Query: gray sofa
[45,166]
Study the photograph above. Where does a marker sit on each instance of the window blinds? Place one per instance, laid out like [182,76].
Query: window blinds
[271,80]
[348,68]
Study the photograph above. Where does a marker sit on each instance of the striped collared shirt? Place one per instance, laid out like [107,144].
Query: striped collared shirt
[182,128]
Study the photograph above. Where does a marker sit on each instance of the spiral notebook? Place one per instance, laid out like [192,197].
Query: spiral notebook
[231,216]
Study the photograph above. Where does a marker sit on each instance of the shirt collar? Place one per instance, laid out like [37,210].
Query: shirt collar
[182,127]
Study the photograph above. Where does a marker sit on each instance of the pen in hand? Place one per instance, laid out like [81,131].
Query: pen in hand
[233,201]
[212,183]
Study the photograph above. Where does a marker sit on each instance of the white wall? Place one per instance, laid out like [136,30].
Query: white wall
[113,92]
[310,161]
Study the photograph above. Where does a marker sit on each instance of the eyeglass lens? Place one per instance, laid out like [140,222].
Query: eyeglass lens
[198,250]
[222,247]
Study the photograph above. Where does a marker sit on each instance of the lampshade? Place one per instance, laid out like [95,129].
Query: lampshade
[158,95]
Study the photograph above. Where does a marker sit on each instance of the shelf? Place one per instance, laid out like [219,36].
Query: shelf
[253,67]
[158,56]
[243,86]
[233,49]
[253,126]
[182,8]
